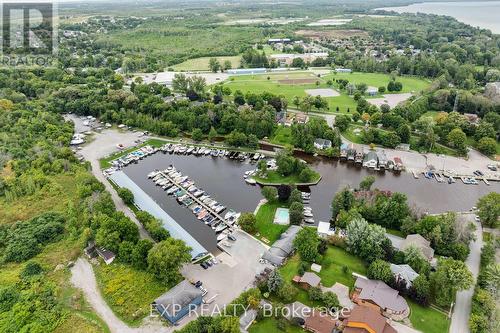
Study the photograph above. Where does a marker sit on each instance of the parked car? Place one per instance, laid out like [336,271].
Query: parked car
[204,265]
[478,173]
[492,167]
[198,284]
[231,237]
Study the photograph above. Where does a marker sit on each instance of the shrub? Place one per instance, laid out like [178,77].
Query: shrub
[126,195]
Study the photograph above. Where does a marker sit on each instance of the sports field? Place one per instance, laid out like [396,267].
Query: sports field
[292,84]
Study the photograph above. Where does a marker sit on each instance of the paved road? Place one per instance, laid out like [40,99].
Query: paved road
[462,308]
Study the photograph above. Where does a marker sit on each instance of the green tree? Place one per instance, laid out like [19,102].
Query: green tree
[404,132]
[296,213]
[247,222]
[306,175]
[487,146]
[367,183]
[457,139]
[380,270]
[306,242]
[330,300]
[126,195]
[212,134]
[489,209]
[287,292]
[275,281]
[450,276]
[421,289]
[344,199]
[197,134]
[166,258]
[270,193]
[365,240]
[342,122]
[214,65]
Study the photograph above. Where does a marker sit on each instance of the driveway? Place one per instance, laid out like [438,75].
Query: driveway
[234,273]
[462,308]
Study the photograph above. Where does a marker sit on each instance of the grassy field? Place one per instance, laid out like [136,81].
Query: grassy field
[270,325]
[274,177]
[128,291]
[268,231]
[55,195]
[282,136]
[261,83]
[201,64]
[428,320]
[332,270]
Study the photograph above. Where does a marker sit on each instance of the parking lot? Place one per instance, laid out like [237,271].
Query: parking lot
[234,272]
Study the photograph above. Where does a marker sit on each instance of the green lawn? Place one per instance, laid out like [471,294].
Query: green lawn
[273,177]
[332,269]
[427,319]
[266,229]
[261,83]
[201,64]
[410,84]
[282,136]
[268,325]
[354,137]
[128,291]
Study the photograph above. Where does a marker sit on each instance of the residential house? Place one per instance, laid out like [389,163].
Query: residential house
[178,301]
[92,251]
[377,295]
[365,320]
[419,242]
[283,247]
[301,118]
[404,273]
[320,323]
[370,160]
[383,161]
[308,280]
[297,310]
[322,144]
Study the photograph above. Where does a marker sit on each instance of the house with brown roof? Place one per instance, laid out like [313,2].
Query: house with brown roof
[308,280]
[419,242]
[378,296]
[320,322]
[365,320]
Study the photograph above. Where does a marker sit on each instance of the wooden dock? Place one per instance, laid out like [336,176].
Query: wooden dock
[198,201]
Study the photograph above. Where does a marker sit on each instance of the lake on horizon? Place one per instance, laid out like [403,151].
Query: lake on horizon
[483,14]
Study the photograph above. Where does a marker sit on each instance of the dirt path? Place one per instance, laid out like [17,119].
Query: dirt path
[82,277]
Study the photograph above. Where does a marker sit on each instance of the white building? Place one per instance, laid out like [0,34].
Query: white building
[324,230]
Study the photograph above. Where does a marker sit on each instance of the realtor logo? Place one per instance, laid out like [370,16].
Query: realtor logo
[28,28]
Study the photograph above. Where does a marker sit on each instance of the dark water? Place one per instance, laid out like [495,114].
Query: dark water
[223,180]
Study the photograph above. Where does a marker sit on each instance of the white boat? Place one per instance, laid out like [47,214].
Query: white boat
[308,214]
[250,181]
[229,214]
[222,226]
[222,236]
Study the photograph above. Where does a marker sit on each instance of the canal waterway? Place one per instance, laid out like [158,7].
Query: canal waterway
[222,179]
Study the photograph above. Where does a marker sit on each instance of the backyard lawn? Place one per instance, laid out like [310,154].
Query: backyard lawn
[333,267]
[282,136]
[265,226]
[427,319]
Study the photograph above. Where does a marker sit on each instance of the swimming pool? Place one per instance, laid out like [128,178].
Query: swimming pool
[282,216]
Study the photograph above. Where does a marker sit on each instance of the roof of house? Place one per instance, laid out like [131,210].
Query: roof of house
[310,278]
[371,155]
[297,309]
[322,142]
[105,254]
[283,247]
[420,242]
[320,323]
[381,294]
[404,271]
[324,228]
[178,298]
[374,320]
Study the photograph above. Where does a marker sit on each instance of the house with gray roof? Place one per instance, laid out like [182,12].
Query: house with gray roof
[322,143]
[405,273]
[370,160]
[308,280]
[419,242]
[283,247]
[377,294]
[178,301]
